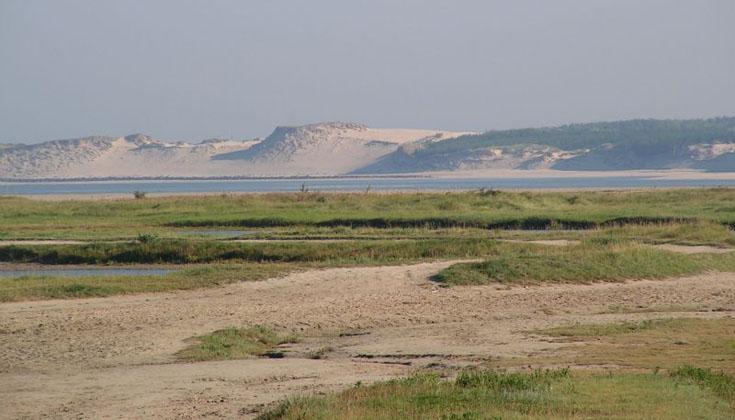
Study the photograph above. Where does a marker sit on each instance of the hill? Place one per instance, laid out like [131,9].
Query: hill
[325,149]
[622,145]
[102,157]
[338,148]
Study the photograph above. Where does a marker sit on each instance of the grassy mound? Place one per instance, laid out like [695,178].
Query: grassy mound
[594,260]
[235,343]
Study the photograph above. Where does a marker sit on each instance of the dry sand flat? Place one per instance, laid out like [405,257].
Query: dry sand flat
[114,357]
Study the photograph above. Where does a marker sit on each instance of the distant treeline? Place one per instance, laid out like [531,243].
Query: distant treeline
[640,133]
[620,145]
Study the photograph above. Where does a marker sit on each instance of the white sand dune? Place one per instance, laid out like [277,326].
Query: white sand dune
[328,149]
[318,150]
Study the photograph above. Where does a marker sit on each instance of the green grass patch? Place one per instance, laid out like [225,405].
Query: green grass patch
[235,343]
[594,260]
[492,395]
[39,287]
[720,383]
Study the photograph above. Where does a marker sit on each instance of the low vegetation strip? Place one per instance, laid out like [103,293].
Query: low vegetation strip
[189,252]
[582,263]
[527,223]
[554,394]
[25,218]
[40,287]
[586,331]
[701,232]
[235,343]
[521,223]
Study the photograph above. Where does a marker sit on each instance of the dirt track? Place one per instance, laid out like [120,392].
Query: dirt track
[114,357]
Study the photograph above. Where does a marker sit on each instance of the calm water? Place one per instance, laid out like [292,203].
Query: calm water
[344,184]
[83,272]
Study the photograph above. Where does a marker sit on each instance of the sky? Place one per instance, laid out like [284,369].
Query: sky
[191,70]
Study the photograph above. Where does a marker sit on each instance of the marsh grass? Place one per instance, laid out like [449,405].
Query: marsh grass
[21,217]
[700,232]
[597,259]
[504,263]
[555,394]
[190,252]
[235,343]
[213,263]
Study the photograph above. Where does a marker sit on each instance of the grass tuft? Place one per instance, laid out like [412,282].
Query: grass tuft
[720,383]
[537,380]
[235,343]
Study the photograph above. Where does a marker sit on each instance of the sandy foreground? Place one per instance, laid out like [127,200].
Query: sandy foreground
[114,357]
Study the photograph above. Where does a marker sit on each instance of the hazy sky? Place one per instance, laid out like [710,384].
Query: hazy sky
[191,70]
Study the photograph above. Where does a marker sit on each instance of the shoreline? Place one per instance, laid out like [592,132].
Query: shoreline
[473,180]
[672,174]
[154,195]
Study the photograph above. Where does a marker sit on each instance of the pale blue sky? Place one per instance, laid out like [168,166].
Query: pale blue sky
[184,69]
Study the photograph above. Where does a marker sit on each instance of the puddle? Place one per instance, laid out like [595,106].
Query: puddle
[83,272]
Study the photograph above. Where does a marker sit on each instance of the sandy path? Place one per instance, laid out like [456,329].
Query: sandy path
[694,249]
[113,357]
[549,242]
[10,242]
